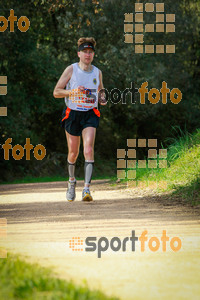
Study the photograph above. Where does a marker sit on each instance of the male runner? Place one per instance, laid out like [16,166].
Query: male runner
[79,84]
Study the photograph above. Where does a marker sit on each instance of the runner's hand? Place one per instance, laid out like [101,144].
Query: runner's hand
[78,90]
[101,97]
[81,88]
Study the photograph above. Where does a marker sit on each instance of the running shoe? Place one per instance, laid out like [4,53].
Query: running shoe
[86,196]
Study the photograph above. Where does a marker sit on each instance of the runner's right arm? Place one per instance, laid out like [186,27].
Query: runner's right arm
[60,88]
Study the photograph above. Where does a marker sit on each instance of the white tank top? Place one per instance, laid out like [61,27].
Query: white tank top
[88,99]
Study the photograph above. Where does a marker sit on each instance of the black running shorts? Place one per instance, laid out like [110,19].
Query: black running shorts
[75,121]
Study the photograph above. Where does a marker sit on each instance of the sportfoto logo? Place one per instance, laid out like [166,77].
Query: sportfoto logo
[18,151]
[158,19]
[128,163]
[115,95]
[128,243]
[23,22]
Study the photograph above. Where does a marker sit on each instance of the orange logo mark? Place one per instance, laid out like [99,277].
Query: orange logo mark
[76,244]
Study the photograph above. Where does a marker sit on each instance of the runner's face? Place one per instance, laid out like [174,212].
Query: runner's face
[86,56]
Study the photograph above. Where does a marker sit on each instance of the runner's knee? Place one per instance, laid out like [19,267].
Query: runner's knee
[72,156]
[88,152]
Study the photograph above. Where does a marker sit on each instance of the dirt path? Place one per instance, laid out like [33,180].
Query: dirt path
[41,223]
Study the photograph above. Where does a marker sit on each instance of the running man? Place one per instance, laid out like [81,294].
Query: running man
[80,84]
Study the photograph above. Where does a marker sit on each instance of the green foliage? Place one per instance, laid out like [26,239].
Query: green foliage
[21,280]
[183,173]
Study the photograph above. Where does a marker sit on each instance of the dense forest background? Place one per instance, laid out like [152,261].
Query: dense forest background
[33,62]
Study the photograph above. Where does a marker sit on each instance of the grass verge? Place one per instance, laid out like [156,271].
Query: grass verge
[183,172]
[21,280]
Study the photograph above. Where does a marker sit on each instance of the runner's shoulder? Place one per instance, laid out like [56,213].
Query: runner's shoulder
[68,71]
